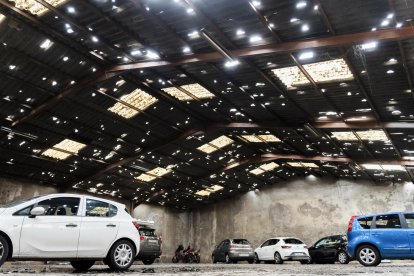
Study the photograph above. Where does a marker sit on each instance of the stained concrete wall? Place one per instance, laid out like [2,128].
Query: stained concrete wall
[11,190]
[14,189]
[307,208]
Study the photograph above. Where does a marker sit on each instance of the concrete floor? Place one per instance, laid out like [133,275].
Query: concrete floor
[291,268]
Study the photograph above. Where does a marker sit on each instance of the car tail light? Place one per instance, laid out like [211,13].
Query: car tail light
[305,246]
[286,246]
[234,246]
[141,238]
[351,223]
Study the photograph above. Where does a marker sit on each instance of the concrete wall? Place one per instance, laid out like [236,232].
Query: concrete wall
[13,189]
[306,208]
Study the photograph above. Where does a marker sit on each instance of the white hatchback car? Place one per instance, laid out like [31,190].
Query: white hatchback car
[77,228]
[281,249]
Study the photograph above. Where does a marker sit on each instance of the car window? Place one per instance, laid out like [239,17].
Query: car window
[365,222]
[113,210]
[97,208]
[293,241]
[240,241]
[329,241]
[147,232]
[226,242]
[60,206]
[388,221]
[266,243]
[409,218]
[273,241]
[24,212]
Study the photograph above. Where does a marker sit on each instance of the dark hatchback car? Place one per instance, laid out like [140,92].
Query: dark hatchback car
[150,245]
[330,250]
[232,251]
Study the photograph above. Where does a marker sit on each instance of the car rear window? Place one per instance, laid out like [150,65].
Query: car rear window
[147,232]
[240,241]
[293,241]
[365,222]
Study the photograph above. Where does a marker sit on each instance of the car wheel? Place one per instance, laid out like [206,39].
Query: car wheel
[4,250]
[213,259]
[368,255]
[278,258]
[343,257]
[148,261]
[82,266]
[228,260]
[250,261]
[256,259]
[121,256]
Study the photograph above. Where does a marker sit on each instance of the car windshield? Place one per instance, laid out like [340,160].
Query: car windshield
[15,203]
[240,241]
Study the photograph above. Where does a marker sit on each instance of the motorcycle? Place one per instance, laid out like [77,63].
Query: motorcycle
[188,255]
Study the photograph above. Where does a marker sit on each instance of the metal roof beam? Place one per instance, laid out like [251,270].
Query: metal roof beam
[278,48]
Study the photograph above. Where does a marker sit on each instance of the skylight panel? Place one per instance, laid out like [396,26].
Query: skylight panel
[138,99]
[264,168]
[216,144]
[373,135]
[64,149]
[321,72]
[34,7]
[261,138]
[344,136]
[209,190]
[383,167]
[192,91]
[153,174]
[303,164]
[370,135]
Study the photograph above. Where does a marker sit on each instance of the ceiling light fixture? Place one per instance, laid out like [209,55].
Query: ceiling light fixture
[64,149]
[138,99]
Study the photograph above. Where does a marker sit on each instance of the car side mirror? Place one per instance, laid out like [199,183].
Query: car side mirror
[37,211]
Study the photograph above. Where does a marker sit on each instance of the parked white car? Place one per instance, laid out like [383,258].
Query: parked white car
[80,229]
[282,249]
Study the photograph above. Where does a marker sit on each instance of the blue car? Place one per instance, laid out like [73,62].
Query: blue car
[375,237]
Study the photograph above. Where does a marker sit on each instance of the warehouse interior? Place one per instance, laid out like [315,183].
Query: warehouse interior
[214,119]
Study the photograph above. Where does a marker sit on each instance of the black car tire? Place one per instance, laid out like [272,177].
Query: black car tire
[228,260]
[368,255]
[148,261]
[256,259]
[213,259]
[250,261]
[278,258]
[121,249]
[82,266]
[4,250]
[343,257]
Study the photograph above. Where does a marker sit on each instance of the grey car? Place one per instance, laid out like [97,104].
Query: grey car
[232,251]
[150,248]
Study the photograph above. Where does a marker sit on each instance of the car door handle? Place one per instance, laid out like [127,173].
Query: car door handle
[110,225]
[376,234]
[71,225]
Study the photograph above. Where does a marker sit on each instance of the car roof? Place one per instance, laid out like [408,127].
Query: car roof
[380,214]
[279,238]
[81,195]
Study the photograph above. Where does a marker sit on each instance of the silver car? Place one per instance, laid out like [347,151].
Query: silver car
[232,251]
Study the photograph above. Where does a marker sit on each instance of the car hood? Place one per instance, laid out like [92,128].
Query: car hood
[2,210]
